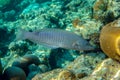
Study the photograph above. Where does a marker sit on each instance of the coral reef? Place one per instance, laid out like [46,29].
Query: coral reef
[107,70]
[19,48]
[110,39]
[94,39]
[106,10]
[51,75]
[87,27]
[22,68]
[76,70]
[82,63]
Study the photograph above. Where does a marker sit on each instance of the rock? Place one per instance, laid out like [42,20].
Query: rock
[25,61]
[51,75]
[14,73]
[86,28]
[66,75]
[79,68]
[85,64]
[108,69]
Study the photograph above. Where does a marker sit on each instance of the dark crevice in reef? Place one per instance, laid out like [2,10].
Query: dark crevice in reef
[5,38]
[58,56]
[52,59]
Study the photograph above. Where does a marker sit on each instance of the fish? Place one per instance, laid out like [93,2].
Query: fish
[55,38]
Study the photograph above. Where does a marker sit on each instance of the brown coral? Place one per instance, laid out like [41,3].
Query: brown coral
[110,39]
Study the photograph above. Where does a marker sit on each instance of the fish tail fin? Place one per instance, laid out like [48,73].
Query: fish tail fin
[21,35]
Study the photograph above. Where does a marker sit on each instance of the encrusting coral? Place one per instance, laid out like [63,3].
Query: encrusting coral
[110,39]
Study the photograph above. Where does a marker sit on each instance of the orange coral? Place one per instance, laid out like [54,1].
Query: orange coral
[110,39]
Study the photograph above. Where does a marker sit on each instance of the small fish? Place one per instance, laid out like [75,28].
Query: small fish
[55,38]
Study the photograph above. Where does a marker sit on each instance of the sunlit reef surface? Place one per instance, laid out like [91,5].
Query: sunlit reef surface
[83,17]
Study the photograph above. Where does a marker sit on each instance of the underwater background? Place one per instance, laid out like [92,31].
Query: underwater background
[25,60]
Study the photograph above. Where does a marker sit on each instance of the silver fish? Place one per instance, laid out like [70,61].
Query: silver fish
[55,38]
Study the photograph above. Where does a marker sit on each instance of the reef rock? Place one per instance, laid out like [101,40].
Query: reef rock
[86,28]
[79,68]
[108,70]
[51,75]
[106,10]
